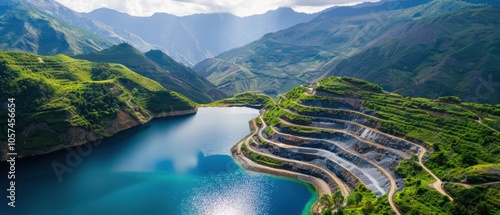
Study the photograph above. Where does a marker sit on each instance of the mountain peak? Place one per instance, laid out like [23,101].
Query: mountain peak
[285,9]
[123,47]
[105,10]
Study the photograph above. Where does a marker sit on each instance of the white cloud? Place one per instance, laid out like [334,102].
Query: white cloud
[188,7]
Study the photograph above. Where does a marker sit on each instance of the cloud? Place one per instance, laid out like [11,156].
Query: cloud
[188,7]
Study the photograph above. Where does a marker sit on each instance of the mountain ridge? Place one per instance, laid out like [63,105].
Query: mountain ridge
[206,34]
[134,59]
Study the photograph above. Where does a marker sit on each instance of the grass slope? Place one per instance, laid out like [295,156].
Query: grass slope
[173,79]
[185,73]
[244,99]
[455,55]
[56,93]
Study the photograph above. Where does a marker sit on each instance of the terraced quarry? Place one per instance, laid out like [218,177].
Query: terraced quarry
[402,155]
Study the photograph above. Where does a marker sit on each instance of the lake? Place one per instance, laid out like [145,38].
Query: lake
[179,165]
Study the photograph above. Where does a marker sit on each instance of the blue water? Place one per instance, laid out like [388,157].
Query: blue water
[169,166]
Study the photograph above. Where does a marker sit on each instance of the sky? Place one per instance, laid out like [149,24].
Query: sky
[188,7]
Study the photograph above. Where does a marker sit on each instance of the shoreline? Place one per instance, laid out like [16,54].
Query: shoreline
[99,138]
[319,187]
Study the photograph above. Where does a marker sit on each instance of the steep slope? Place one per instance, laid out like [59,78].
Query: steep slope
[25,27]
[172,76]
[72,102]
[404,154]
[193,38]
[110,33]
[184,73]
[309,51]
[436,57]
[369,8]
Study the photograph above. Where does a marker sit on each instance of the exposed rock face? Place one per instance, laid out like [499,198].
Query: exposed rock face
[77,136]
[177,113]
[122,122]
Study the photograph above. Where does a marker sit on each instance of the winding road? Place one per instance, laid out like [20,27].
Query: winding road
[437,185]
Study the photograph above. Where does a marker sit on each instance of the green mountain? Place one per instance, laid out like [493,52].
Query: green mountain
[72,102]
[306,52]
[161,68]
[405,154]
[184,73]
[456,55]
[25,27]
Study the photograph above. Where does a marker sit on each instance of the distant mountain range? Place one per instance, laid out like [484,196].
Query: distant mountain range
[191,39]
[420,48]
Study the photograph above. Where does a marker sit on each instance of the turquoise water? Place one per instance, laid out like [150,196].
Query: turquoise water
[169,166]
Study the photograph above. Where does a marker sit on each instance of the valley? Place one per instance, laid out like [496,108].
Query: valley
[387,107]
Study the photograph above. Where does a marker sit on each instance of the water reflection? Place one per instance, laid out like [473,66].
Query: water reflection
[171,166]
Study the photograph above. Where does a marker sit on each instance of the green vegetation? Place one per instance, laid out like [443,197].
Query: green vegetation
[364,201]
[158,66]
[244,99]
[435,68]
[461,137]
[481,173]
[332,202]
[475,200]
[296,92]
[274,114]
[54,94]
[261,159]
[361,201]
[417,197]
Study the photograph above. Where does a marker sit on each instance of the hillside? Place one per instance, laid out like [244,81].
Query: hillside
[435,57]
[184,73]
[64,14]
[72,102]
[383,152]
[309,51]
[246,99]
[191,39]
[24,27]
[161,68]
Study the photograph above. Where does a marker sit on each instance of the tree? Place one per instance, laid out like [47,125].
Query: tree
[333,202]
[327,201]
[368,208]
[338,199]
[358,198]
